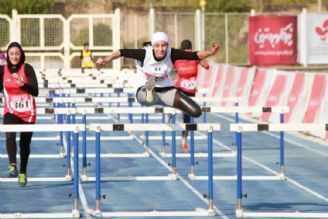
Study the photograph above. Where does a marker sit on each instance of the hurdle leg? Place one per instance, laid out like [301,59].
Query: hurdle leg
[192,151]
[210,172]
[239,209]
[60,118]
[130,104]
[61,136]
[163,136]
[68,157]
[204,113]
[173,151]
[84,150]
[109,104]
[75,211]
[146,134]
[98,188]
[282,150]
[118,105]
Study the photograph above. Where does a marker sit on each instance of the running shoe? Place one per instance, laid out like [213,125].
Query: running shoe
[150,84]
[184,148]
[22,179]
[12,171]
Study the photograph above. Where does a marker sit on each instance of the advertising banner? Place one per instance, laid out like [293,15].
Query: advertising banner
[272,40]
[313,38]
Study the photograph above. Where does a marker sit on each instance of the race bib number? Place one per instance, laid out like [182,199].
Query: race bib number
[188,84]
[20,105]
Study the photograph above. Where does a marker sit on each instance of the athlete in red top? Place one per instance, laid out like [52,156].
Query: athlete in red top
[19,85]
[187,71]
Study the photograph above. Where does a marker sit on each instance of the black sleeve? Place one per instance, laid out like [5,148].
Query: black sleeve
[32,85]
[177,54]
[138,54]
[1,77]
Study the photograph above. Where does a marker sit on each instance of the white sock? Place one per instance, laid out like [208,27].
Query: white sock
[183,140]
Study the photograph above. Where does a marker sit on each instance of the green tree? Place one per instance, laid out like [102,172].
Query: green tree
[26,6]
[228,6]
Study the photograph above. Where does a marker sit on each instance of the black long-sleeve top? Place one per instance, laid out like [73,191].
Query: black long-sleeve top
[176,54]
[31,87]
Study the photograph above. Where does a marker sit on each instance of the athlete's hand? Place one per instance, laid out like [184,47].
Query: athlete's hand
[214,48]
[100,61]
[18,79]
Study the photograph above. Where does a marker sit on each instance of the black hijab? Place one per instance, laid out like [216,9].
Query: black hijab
[14,68]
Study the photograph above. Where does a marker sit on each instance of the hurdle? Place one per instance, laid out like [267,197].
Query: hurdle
[237,110]
[204,101]
[99,110]
[76,128]
[246,127]
[93,90]
[167,110]
[98,128]
[122,110]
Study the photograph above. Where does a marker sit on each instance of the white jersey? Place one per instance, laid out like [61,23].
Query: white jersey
[161,70]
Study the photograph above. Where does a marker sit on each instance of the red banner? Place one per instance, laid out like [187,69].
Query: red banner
[272,40]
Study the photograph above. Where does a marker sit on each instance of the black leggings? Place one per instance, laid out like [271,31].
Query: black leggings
[186,104]
[170,96]
[186,117]
[24,142]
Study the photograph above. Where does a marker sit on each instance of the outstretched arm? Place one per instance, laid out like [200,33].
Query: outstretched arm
[204,54]
[109,58]
[204,64]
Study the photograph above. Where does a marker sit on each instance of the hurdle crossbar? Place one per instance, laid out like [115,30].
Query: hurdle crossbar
[119,99]
[41,215]
[154,127]
[42,128]
[38,179]
[140,110]
[245,109]
[92,90]
[296,214]
[296,127]
[84,99]
[155,213]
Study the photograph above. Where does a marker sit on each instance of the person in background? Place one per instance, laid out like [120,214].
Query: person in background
[3,60]
[86,57]
[19,86]
[187,71]
[154,75]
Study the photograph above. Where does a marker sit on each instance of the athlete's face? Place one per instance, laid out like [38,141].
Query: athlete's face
[160,48]
[14,54]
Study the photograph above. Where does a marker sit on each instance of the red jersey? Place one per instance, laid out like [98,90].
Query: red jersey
[187,75]
[16,100]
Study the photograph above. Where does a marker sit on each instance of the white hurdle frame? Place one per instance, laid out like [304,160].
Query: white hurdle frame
[246,127]
[76,128]
[156,127]
[237,110]
[166,110]
[122,110]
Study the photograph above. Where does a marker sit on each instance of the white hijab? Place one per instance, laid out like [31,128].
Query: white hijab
[159,36]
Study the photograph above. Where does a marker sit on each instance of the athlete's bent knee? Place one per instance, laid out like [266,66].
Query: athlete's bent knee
[186,104]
